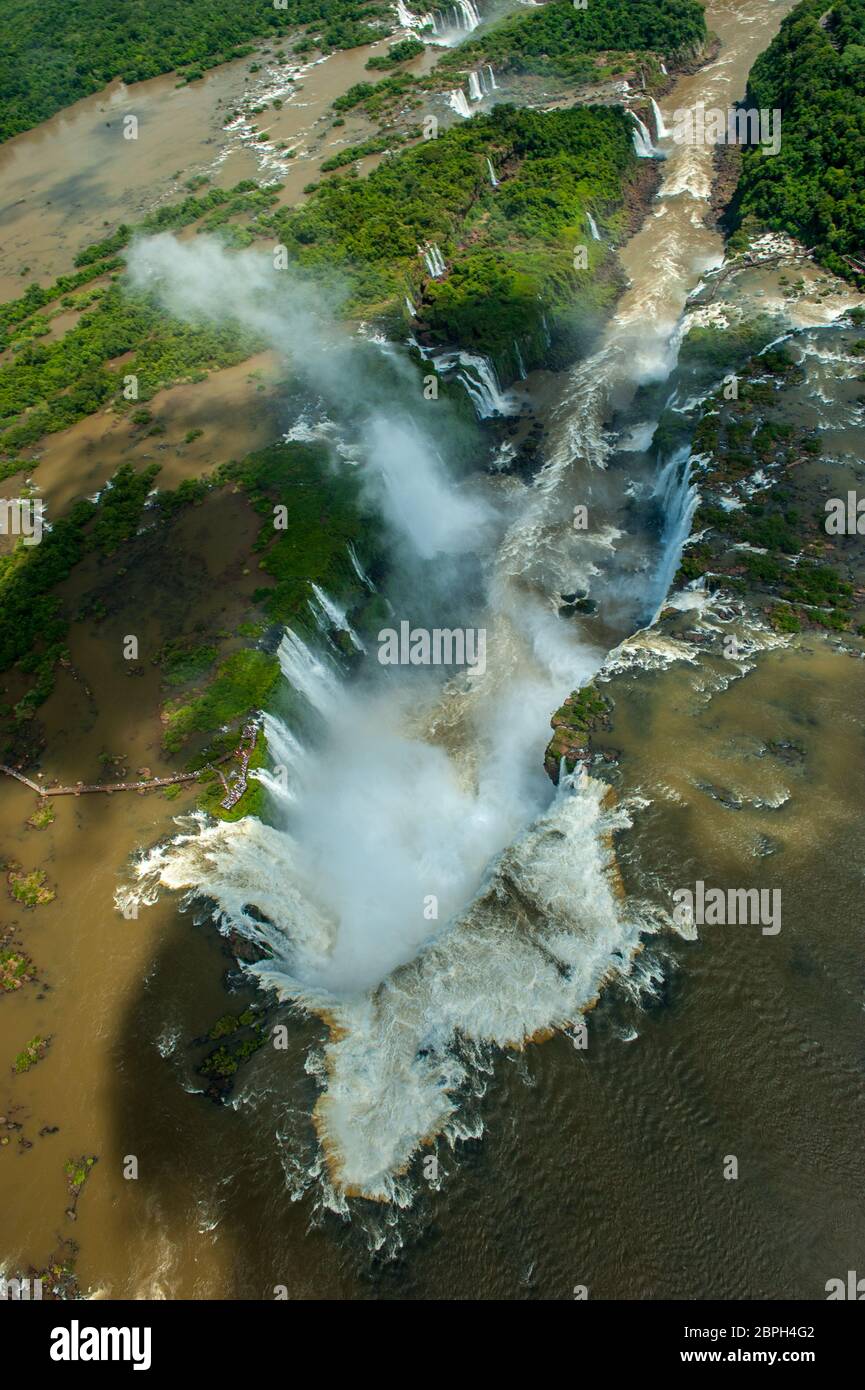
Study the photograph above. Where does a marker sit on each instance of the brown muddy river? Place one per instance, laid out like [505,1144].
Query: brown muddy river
[64,182]
[600,1167]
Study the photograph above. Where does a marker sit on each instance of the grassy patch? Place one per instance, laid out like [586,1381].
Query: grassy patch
[32,1053]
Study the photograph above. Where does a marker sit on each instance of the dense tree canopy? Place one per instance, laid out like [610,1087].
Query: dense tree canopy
[55,51]
[510,251]
[814,73]
[551,39]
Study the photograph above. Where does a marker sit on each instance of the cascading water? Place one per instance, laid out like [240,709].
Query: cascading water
[415,791]
[433,260]
[454,21]
[408,20]
[480,83]
[643,147]
[678,499]
[458,101]
[328,615]
[660,126]
[358,567]
[478,375]
[593,227]
[494,182]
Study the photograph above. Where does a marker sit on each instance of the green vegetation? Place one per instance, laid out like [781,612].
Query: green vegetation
[376,98]
[322,510]
[375,145]
[584,711]
[77,1172]
[323,515]
[33,1052]
[814,73]
[32,624]
[518,270]
[212,793]
[244,682]
[29,889]
[16,969]
[248,1031]
[772,545]
[17,310]
[182,664]
[397,53]
[50,386]
[55,52]
[560,40]
[230,1023]
[222,1064]
[510,250]
[42,817]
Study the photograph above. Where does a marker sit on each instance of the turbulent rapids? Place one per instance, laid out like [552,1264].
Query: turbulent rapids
[418,885]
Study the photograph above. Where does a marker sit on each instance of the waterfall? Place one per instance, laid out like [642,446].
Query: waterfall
[488,69]
[593,227]
[660,127]
[411,309]
[408,20]
[520,363]
[494,183]
[433,260]
[312,676]
[477,375]
[678,498]
[329,615]
[642,139]
[386,814]
[463,16]
[286,753]
[475,91]
[469,17]
[358,567]
[457,101]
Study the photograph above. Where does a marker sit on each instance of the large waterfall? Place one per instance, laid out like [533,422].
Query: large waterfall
[416,882]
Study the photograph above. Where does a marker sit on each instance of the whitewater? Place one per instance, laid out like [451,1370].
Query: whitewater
[418,884]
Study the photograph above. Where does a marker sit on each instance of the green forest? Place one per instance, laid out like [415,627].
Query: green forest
[54,52]
[556,38]
[814,73]
[510,250]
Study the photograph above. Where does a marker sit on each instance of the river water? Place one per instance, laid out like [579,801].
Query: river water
[555,1166]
